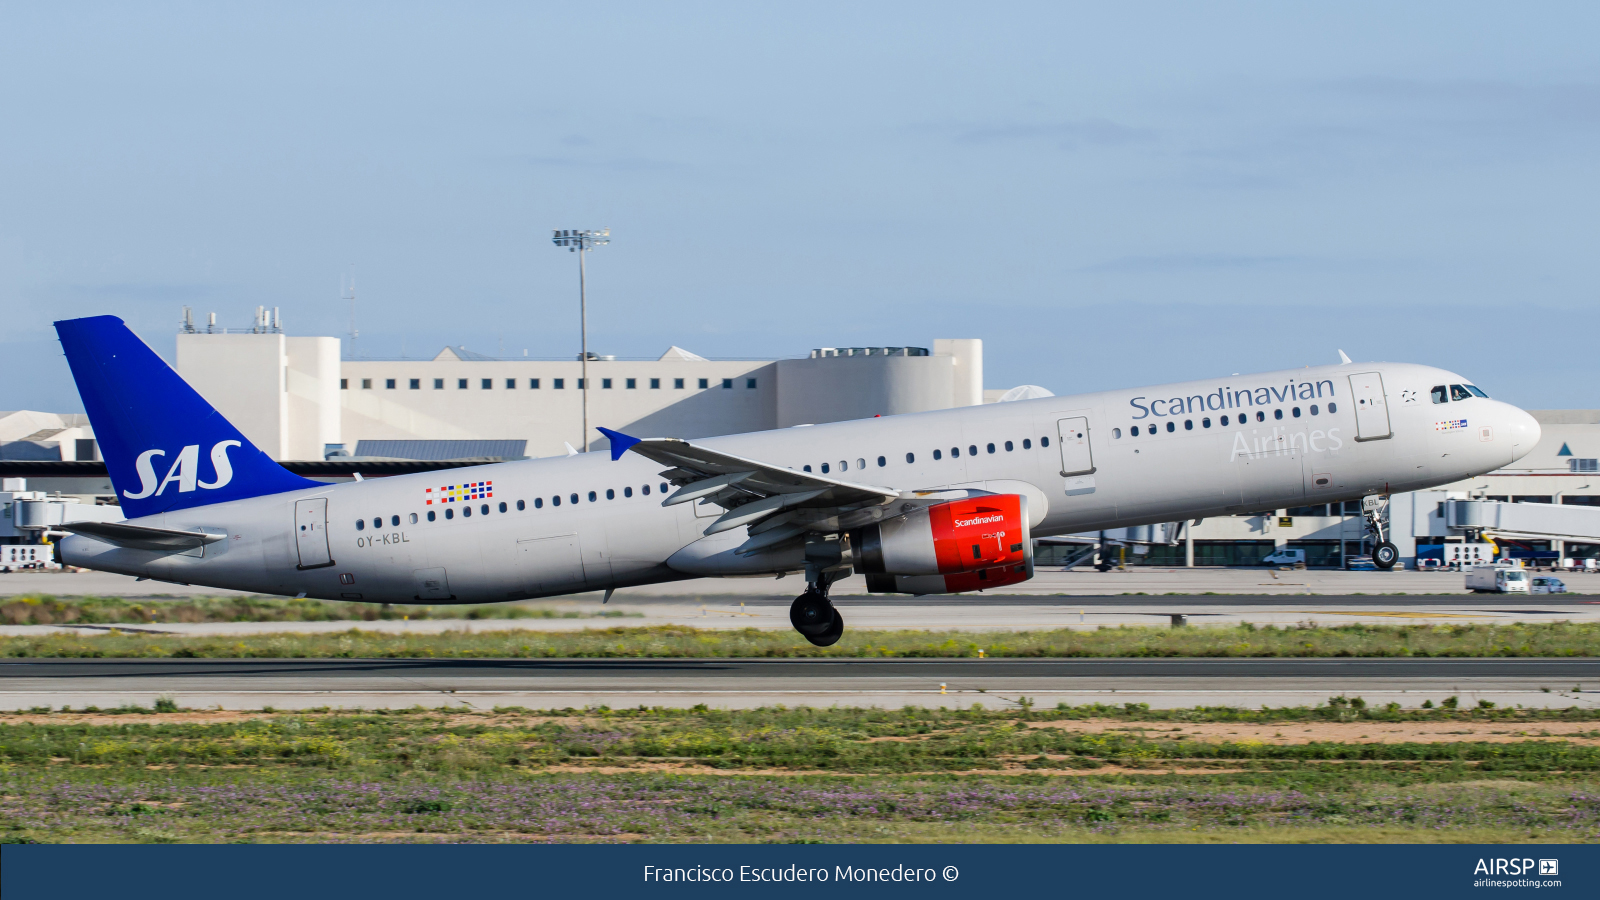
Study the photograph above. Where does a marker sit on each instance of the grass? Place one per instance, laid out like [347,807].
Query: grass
[787,775]
[1559,639]
[44,609]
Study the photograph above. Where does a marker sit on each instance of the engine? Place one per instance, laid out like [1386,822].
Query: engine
[960,582]
[985,536]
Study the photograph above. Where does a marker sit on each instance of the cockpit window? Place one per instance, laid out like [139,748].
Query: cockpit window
[1475,392]
[1439,395]
[1457,392]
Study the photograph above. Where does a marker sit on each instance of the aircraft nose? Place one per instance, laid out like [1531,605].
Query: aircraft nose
[1522,429]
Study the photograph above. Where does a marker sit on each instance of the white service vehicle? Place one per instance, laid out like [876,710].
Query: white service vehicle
[1285,557]
[937,502]
[1497,580]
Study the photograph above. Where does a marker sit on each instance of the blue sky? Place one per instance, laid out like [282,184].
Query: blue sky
[1107,194]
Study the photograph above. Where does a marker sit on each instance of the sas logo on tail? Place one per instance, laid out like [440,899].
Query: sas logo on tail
[185,470]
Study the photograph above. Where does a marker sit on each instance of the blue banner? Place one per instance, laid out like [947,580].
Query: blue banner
[321,872]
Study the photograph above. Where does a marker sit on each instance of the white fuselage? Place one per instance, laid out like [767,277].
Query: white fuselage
[1183,464]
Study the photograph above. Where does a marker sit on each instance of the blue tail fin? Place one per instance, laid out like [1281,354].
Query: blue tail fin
[165,446]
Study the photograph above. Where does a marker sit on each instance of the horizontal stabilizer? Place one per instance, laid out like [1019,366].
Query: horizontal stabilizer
[143,537]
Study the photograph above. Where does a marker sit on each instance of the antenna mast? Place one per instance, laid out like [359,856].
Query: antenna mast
[352,298]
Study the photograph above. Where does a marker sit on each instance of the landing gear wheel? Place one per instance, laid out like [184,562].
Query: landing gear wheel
[831,636]
[811,614]
[1385,555]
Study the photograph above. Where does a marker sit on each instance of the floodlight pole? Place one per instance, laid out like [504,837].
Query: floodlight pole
[581,242]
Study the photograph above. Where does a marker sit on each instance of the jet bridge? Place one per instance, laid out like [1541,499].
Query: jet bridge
[1531,521]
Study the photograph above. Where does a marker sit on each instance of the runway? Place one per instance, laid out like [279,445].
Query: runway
[739,683]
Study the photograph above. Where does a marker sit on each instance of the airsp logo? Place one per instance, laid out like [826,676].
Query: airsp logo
[185,470]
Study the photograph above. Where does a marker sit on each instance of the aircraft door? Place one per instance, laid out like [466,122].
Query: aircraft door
[1077,459]
[1372,414]
[311,533]
[551,565]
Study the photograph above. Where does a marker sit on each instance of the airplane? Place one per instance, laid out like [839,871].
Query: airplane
[948,501]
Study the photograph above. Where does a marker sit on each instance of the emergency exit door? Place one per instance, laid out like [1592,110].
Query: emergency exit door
[1076,459]
[311,532]
[1372,414]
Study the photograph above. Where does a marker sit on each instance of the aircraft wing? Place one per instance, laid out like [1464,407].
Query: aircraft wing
[777,503]
[142,537]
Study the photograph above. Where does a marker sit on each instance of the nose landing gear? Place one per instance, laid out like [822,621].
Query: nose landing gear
[814,616]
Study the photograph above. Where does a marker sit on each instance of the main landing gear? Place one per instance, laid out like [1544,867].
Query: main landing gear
[815,617]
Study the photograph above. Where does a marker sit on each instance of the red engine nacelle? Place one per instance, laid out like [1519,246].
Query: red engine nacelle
[961,536]
[981,580]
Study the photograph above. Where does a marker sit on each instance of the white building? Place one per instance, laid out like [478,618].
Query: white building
[295,398]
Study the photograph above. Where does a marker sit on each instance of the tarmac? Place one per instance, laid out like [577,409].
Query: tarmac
[745,683]
[1055,599]
[1079,599]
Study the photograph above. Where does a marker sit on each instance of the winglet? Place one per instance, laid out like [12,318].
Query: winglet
[619,442]
[1343,360]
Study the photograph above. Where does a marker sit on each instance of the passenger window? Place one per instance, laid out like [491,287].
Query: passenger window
[646,490]
[911,457]
[430,515]
[361,524]
[1261,417]
[413,518]
[521,506]
[805,468]
[466,511]
[1457,392]
[861,463]
[592,497]
[1475,392]
[1171,428]
[503,505]
[1188,424]
[627,492]
[378,522]
[1009,447]
[1224,421]
[844,465]
[1333,407]
[824,468]
[1134,431]
[1439,395]
[1027,443]
[449,514]
[1277,414]
[989,447]
[663,487]
[1296,412]
[611,494]
[1313,409]
[556,500]
[1115,433]
[538,503]
[938,455]
[972,450]
[882,462]
[394,521]
[485,509]
[1206,422]
[573,498]
[955,452]
[1044,442]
